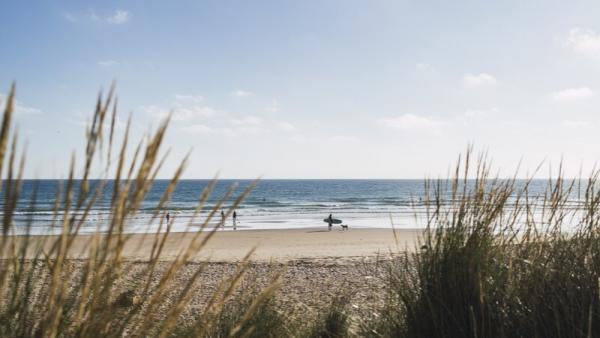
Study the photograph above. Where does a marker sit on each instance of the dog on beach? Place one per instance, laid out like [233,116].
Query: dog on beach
[344,227]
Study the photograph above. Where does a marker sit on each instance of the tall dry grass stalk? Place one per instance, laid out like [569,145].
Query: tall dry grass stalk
[43,295]
[499,259]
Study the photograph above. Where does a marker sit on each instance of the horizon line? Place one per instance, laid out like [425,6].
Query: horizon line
[314,178]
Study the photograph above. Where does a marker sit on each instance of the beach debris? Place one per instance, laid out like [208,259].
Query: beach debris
[127,299]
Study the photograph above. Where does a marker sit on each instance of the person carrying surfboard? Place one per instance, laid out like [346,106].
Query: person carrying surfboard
[331,221]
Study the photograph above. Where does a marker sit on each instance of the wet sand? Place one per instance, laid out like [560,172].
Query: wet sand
[271,245]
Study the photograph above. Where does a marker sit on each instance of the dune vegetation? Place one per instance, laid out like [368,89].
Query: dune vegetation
[494,260]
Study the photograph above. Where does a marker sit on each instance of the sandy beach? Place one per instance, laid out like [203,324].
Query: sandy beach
[271,245]
[316,265]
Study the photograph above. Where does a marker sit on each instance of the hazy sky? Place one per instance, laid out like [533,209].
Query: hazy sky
[313,89]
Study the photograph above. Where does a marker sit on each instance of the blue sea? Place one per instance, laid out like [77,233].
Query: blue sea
[272,204]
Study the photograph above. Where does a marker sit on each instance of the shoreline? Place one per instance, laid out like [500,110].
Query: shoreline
[278,245]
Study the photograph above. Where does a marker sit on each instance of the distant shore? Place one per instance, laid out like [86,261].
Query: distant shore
[271,245]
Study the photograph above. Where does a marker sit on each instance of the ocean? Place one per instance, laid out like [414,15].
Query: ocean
[272,204]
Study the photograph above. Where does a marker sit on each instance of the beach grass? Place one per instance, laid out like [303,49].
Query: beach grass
[45,296]
[495,260]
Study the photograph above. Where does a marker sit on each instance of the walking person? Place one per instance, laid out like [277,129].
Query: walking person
[330,221]
[222,218]
[168,216]
[234,220]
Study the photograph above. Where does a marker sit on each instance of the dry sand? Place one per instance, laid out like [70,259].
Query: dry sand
[271,245]
[316,265]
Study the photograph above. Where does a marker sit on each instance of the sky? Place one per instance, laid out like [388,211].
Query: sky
[312,89]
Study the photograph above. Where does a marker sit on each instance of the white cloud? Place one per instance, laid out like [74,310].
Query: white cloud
[179,112]
[186,113]
[195,117]
[186,97]
[119,17]
[409,122]
[247,120]
[228,128]
[155,111]
[198,128]
[479,80]
[286,126]
[273,107]
[108,63]
[19,107]
[424,67]
[472,116]
[583,41]
[572,94]
[243,125]
[94,17]
[225,131]
[241,93]
[183,107]
[70,17]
